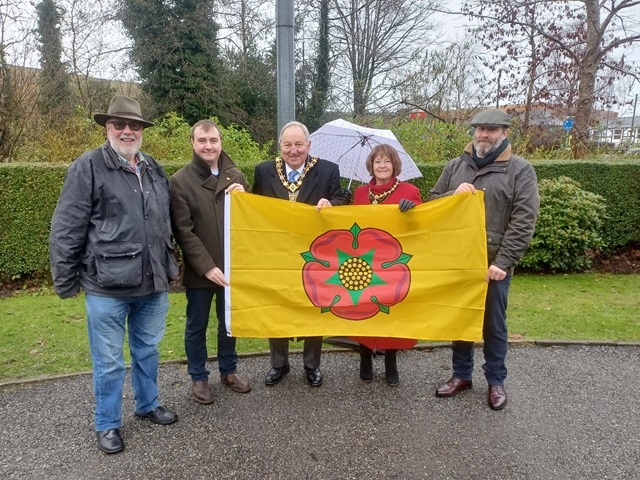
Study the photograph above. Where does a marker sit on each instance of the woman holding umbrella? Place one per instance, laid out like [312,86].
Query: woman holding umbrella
[384,166]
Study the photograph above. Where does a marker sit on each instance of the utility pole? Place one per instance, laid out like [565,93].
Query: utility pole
[286,93]
[633,119]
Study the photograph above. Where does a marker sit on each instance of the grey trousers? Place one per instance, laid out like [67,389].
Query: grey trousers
[280,352]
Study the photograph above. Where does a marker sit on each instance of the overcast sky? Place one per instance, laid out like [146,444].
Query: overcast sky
[455,26]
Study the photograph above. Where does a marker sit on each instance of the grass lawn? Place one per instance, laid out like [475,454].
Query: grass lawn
[43,335]
[575,307]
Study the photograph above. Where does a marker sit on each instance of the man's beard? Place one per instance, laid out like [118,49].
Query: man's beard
[127,150]
[483,149]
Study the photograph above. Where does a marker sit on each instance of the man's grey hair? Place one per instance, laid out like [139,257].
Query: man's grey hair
[302,126]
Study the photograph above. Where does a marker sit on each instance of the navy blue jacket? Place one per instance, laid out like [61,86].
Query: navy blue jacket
[110,232]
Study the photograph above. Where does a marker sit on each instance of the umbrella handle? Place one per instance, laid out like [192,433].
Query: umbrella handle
[364,139]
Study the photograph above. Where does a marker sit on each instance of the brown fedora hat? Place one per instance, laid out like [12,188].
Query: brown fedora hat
[122,107]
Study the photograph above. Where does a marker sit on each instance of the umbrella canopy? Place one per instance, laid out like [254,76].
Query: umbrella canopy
[348,145]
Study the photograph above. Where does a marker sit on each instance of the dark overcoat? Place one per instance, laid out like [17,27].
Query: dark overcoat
[110,232]
[197,216]
[322,181]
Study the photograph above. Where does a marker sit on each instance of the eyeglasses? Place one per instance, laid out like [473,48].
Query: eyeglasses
[120,125]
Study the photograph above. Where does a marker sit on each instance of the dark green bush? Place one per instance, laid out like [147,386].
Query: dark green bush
[30,190]
[29,196]
[618,181]
[568,228]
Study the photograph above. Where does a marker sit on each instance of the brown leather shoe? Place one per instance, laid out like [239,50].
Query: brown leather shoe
[235,383]
[497,397]
[202,392]
[453,387]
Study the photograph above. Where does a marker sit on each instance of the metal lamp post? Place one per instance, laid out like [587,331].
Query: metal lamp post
[286,91]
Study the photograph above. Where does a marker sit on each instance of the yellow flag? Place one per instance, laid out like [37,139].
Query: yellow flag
[355,270]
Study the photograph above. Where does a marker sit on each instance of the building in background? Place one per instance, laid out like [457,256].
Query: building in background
[622,132]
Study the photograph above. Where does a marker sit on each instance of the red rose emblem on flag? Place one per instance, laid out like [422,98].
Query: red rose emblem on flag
[356,273]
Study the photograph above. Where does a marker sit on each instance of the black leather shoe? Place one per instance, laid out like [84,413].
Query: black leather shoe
[110,441]
[275,375]
[314,377]
[159,415]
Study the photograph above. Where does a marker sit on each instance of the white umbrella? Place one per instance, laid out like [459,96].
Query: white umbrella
[348,145]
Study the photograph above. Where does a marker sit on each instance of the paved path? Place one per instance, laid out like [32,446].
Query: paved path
[573,413]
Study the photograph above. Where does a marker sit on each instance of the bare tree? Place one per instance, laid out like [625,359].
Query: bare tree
[96,50]
[247,26]
[516,53]
[247,32]
[18,84]
[562,83]
[609,26]
[446,83]
[374,38]
[587,33]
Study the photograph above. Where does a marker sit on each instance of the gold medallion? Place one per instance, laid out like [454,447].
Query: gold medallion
[381,197]
[293,187]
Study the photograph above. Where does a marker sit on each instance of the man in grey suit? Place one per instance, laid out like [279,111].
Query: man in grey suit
[299,178]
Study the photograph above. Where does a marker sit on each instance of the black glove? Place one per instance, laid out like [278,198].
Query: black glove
[348,195]
[405,205]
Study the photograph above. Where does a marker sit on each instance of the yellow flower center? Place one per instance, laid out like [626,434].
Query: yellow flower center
[355,274]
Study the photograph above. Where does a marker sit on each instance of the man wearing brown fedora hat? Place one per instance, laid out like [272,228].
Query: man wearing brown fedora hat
[111,238]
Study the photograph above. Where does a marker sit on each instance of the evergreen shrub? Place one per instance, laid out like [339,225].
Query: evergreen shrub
[617,181]
[568,228]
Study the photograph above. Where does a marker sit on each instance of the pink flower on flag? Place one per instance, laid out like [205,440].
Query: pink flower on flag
[356,273]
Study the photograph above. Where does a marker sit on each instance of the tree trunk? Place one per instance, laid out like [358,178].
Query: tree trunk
[584,105]
[588,73]
[359,97]
[532,72]
[5,110]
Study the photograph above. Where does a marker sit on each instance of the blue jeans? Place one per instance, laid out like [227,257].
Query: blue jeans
[146,319]
[195,334]
[494,334]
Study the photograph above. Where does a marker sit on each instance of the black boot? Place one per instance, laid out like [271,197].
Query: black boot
[390,367]
[366,363]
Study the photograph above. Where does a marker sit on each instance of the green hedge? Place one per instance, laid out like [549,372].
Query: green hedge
[29,195]
[30,191]
[617,182]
